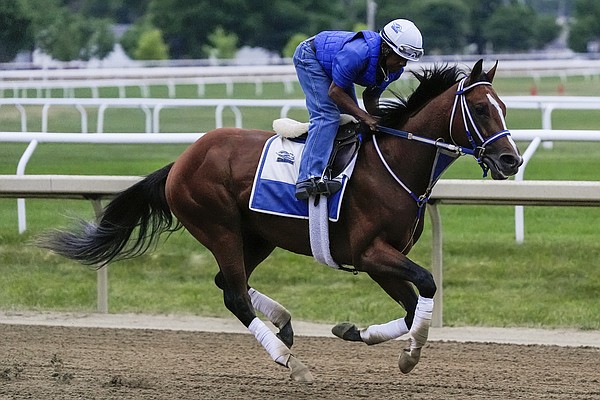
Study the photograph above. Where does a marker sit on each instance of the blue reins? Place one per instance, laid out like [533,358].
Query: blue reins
[459,150]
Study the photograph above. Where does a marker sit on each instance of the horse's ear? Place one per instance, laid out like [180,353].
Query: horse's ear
[490,74]
[476,71]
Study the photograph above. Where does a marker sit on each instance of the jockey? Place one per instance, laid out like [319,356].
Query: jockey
[328,66]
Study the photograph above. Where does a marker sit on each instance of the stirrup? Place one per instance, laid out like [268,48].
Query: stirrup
[327,187]
[312,187]
[305,189]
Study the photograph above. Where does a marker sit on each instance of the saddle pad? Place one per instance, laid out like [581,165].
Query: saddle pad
[273,191]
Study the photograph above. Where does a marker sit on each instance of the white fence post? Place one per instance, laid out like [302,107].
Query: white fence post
[102,272]
[21,212]
[519,211]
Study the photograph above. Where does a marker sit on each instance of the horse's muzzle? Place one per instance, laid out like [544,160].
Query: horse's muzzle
[503,165]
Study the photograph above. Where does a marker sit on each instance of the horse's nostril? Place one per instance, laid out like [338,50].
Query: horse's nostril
[510,160]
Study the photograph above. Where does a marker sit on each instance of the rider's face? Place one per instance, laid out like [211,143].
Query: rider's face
[394,62]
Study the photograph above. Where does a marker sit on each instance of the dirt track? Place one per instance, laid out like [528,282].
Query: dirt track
[81,363]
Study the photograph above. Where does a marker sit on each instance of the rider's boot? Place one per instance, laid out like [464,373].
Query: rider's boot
[313,187]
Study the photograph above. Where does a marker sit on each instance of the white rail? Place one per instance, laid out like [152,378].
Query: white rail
[153,107]
[43,81]
[535,136]
[107,138]
[554,193]
[528,68]
[20,88]
[147,73]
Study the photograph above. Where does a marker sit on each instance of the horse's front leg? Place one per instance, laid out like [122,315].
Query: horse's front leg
[404,294]
[392,269]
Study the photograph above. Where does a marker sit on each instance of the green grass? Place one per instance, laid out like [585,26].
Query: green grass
[552,280]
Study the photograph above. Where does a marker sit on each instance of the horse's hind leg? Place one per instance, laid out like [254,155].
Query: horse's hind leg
[208,210]
[275,312]
[273,344]
[256,249]
[233,280]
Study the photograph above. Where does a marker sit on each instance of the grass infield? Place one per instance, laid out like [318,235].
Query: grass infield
[552,280]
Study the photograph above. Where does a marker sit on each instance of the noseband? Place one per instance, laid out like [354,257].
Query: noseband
[469,124]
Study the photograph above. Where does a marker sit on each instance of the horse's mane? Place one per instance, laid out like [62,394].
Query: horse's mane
[432,83]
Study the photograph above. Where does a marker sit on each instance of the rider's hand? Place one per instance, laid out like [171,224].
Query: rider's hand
[372,122]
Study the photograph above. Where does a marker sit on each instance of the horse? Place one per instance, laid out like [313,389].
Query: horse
[452,112]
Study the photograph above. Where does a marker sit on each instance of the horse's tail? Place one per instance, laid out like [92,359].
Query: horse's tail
[142,206]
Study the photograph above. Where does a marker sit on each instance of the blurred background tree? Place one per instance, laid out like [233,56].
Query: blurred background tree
[71,37]
[221,44]
[585,29]
[444,24]
[15,30]
[151,46]
[511,27]
[290,47]
[81,29]
[64,34]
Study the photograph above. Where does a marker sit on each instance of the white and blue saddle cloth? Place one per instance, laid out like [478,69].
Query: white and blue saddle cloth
[273,191]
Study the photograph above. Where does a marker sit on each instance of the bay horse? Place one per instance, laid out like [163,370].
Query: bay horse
[208,187]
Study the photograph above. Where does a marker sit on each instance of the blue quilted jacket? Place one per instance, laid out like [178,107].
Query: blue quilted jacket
[329,43]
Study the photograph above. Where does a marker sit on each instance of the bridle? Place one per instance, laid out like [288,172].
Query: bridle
[468,121]
[446,153]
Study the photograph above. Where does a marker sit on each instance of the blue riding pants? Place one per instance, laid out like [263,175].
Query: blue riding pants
[324,114]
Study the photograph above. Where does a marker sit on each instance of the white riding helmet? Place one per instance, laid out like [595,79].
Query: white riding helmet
[404,38]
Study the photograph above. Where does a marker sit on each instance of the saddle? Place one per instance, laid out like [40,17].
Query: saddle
[345,146]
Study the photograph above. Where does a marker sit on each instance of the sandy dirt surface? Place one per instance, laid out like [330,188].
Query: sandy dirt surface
[45,362]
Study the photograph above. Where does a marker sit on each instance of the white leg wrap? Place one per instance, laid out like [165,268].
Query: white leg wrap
[420,326]
[271,309]
[381,333]
[275,347]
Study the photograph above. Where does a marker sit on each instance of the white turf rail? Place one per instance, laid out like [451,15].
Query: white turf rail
[532,68]
[447,191]
[64,186]
[533,192]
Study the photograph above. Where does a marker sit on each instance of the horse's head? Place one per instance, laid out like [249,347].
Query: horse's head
[478,114]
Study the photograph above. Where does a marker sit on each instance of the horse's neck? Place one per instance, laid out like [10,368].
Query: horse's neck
[433,120]
[413,161]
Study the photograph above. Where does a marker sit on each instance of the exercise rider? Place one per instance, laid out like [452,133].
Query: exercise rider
[328,66]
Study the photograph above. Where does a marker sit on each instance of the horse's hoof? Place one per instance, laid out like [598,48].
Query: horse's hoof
[408,359]
[300,372]
[347,331]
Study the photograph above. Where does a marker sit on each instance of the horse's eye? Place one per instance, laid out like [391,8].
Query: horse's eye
[481,109]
